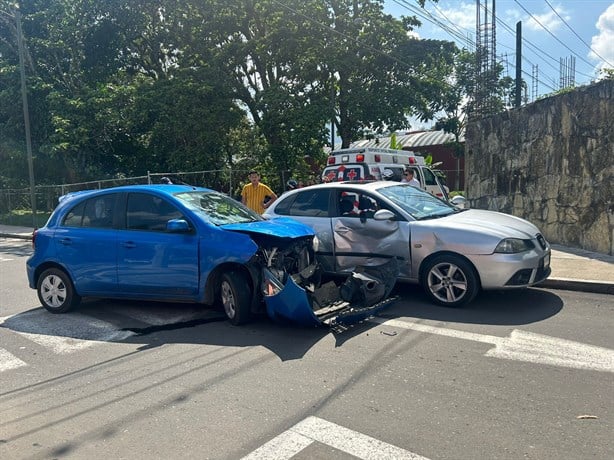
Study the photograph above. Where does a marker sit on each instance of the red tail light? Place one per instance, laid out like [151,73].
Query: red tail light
[331,160]
[378,158]
[34,237]
[412,160]
[360,158]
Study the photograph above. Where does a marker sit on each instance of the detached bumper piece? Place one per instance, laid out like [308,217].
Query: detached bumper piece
[302,300]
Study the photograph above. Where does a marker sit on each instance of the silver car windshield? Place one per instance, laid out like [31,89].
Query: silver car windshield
[416,202]
[217,209]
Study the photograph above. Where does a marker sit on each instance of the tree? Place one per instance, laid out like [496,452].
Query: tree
[380,74]
[110,94]
[270,51]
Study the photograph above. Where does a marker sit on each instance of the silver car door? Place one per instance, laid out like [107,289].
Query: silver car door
[361,240]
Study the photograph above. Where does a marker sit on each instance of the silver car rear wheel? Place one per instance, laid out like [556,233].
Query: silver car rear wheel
[450,281]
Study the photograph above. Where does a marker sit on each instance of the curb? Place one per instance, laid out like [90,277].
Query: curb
[566,284]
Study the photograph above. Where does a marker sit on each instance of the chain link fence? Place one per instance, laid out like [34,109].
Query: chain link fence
[12,201]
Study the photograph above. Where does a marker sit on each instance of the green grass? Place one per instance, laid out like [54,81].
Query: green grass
[23,218]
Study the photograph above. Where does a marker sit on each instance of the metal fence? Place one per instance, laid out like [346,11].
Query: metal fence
[227,181]
[223,180]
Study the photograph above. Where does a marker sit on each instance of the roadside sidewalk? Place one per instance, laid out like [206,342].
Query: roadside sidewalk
[572,269]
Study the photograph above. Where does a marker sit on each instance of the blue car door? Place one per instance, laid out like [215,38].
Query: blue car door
[153,262]
[86,243]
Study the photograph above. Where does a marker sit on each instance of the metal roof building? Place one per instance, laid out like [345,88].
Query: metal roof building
[409,140]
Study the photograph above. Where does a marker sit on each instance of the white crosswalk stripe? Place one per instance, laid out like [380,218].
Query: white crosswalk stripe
[75,331]
[65,334]
[9,361]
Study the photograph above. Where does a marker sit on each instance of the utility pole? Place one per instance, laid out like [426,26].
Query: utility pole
[26,114]
[518,95]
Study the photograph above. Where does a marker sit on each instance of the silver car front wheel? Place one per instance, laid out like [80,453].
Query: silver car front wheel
[450,281]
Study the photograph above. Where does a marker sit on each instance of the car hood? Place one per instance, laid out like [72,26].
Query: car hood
[490,222]
[281,227]
[473,231]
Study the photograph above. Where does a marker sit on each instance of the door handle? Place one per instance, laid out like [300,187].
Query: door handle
[129,244]
[342,230]
[66,241]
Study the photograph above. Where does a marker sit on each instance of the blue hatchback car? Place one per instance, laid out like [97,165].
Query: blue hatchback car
[179,243]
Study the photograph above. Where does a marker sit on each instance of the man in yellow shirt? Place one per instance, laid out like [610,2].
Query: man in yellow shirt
[256,195]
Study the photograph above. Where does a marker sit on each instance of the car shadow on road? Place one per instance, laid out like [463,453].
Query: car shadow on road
[159,324]
[154,324]
[503,307]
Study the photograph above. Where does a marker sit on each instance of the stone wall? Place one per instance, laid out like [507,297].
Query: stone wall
[551,162]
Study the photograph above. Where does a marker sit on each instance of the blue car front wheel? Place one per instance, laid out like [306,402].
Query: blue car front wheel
[236,297]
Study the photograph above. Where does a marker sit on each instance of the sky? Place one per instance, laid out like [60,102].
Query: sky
[580,32]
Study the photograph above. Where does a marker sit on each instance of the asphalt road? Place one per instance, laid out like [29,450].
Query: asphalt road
[514,375]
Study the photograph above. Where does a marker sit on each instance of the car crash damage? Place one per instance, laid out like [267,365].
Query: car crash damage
[292,288]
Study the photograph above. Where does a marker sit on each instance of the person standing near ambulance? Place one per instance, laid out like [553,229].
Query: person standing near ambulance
[408,177]
[256,195]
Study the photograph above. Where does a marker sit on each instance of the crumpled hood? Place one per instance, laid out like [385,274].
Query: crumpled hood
[281,227]
[494,223]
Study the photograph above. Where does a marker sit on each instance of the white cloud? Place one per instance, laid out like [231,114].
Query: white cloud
[602,42]
[462,15]
[548,20]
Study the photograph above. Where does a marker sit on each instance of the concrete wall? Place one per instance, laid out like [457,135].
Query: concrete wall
[551,162]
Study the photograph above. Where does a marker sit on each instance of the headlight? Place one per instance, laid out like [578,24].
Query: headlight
[514,245]
[315,244]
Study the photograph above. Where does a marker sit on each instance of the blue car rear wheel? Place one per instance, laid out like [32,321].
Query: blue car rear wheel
[56,292]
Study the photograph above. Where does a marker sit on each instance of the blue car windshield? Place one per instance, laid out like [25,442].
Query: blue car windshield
[419,204]
[217,209]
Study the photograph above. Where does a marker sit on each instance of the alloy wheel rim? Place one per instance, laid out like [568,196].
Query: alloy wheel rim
[228,300]
[447,282]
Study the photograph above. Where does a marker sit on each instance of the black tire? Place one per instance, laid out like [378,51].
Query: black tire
[236,297]
[450,281]
[56,292]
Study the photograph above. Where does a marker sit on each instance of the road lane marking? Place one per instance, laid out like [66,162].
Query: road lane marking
[314,429]
[525,346]
[9,361]
[62,333]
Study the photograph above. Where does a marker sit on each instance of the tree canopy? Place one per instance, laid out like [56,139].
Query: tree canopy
[124,86]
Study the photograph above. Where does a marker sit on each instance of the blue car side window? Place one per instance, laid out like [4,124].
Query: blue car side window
[74,217]
[99,212]
[149,212]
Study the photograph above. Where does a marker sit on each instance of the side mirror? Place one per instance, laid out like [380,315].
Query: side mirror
[177,226]
[383,214]
[459,201]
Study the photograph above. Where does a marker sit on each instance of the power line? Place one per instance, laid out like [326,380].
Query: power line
[575,33]
[540,53]
[414,9]
[553,36]
[427,16]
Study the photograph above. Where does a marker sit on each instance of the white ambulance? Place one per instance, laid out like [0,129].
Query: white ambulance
[371,163]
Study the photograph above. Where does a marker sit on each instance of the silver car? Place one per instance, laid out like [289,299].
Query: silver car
[451,252]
